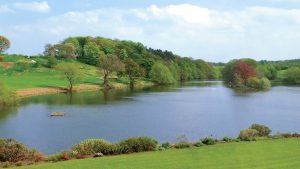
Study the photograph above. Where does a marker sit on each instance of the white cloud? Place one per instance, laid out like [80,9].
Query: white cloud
[188,30]
[42,7]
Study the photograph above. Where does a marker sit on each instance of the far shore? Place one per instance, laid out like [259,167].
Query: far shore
[30,92]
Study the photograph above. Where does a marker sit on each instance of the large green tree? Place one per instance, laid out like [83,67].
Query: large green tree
[161,74]
[133,71]
[109,63]
[71,72]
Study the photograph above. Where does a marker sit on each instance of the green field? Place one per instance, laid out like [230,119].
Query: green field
[44,77]
[269,154]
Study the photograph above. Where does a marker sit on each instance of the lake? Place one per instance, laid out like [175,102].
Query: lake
[195,109]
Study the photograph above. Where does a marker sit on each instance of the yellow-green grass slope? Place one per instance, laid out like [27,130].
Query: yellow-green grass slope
[268,154]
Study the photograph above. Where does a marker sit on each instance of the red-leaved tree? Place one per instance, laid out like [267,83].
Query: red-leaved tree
[244,71]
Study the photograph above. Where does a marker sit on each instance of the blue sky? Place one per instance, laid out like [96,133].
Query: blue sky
[217,30]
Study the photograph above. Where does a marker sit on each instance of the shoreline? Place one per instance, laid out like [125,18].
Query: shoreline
[39,91]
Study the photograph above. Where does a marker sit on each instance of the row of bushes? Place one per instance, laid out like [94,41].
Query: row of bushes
[15,153]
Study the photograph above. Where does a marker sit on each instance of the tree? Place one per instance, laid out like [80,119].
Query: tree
[61,51]
[292,75]
[71,72]
[161,74]
[108,64]
[4,44]
[91,53]
[133,71]
[243,70]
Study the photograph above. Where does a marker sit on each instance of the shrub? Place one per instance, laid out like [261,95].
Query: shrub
[183,145]
[64,156]
[12,151]
[18,164]
[51,62]
[228,139]
[208,141]
[248,134]
[166,145]
[92,146]
[262,130]
[21,66]
[6,164]
[137,144]
[1,58]
[160,148]
[254,83]
[54,157]
[36,156]
[199,144]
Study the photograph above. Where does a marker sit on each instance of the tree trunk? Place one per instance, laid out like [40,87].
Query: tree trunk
[106,82]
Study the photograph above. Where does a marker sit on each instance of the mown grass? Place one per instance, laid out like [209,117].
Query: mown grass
[43,77]
[268,154]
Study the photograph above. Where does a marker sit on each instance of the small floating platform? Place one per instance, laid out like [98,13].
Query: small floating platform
[57,114]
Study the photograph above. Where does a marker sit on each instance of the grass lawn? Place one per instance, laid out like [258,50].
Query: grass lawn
[44,78]
[269,154]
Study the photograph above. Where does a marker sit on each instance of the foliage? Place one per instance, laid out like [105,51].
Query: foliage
[208,141]
[108,64]
[166,145]
[228,139]
[92,146]
[12,151]
[137,144]
[199,144]
[257,83]
[248,134]
[133,70]
[51,62]
[182,142]
[292,75]
[61,51]
[161,74]
[7,97]
[262,129]
[71,72]
[1,58]
[4,44]
[91,54]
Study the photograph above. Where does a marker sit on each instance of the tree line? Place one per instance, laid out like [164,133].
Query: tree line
[130,59]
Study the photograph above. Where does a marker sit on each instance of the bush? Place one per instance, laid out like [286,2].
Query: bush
[183,145]
[92,146]
[262,130]
[265,83]
[208,141]
[160,148]
[21,66]
[36,156]
[137,144]
[54,157]
[1,58]
[12,151]
[199,144]
[248,134]
[166,145]
[228,139]
[51,62]
[253,82]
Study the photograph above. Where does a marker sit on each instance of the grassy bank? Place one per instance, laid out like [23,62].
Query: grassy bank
[275,154]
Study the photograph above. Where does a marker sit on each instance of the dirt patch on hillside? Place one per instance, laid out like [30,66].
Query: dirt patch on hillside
[7,64]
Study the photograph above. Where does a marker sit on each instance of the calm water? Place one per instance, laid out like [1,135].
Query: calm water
[197,109]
